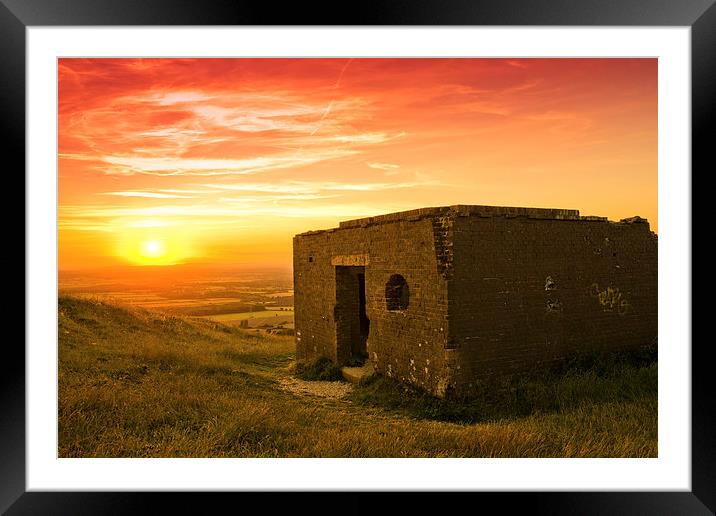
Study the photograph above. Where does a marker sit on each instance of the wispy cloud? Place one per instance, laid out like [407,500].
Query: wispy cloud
[270,198]
[148,195]
[364,138]
[210,213]
[160,166]
[175,97]
[383,166]
[371,187]
[313,187]
[183,191]
[258,119]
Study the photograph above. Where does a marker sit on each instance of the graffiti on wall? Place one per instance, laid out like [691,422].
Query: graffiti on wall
[611,299]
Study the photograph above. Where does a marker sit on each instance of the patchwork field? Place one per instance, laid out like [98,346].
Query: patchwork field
[262,297]
[274,316]
[138,383]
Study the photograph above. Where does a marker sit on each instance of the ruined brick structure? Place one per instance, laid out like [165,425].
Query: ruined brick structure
[442,297]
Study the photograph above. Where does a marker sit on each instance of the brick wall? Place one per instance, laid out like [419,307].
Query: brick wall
[404,344]
[529,291]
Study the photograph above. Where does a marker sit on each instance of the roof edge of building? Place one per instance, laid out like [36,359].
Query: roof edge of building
[464,210]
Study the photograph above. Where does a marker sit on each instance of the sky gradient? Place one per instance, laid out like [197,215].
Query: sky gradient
[222,161]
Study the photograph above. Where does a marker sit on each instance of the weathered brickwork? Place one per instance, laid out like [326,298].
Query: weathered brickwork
[492,290]
[403,344]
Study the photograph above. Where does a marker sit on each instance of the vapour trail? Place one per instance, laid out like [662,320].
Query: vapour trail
[330,104]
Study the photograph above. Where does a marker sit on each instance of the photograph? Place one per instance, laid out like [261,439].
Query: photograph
[357,257]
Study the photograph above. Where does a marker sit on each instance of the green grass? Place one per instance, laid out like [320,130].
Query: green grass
[627,378]
[134,383]
[321,369]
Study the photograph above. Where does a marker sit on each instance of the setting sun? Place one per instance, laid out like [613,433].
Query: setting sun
[138,248]
[152,249]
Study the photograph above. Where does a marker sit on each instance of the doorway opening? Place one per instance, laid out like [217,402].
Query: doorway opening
[352,323]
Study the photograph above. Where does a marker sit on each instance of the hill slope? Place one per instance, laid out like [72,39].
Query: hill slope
[133,383]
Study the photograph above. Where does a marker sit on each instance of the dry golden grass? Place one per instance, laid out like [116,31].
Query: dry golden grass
[133,383]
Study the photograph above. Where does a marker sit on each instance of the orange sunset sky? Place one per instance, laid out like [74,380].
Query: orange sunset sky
[222,161]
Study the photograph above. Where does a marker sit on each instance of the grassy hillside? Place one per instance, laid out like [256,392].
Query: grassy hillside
[133,383]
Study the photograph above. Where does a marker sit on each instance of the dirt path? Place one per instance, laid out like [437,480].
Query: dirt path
[322,389]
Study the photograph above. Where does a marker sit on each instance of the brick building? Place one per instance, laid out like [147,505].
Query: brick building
[440,297]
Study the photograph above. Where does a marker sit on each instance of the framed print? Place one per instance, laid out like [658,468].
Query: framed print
[296,191]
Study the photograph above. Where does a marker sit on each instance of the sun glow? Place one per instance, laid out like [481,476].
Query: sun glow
[149,248]
[152,249]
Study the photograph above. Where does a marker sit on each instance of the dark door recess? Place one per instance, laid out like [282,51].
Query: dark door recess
[352,323]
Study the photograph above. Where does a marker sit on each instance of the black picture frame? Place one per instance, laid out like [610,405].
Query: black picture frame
[699,15]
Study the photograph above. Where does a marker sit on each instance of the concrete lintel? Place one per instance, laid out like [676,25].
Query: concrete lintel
[350,259]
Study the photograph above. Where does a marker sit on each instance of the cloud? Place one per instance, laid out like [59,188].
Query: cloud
[73,214]
[183,191]
[256,120]
[277,197]
[517,63]
[176,97]
[363,138]
[149,195]
[161,166]
[172,132]
[383,166]
[290,187]
[369,187]
[315,187]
